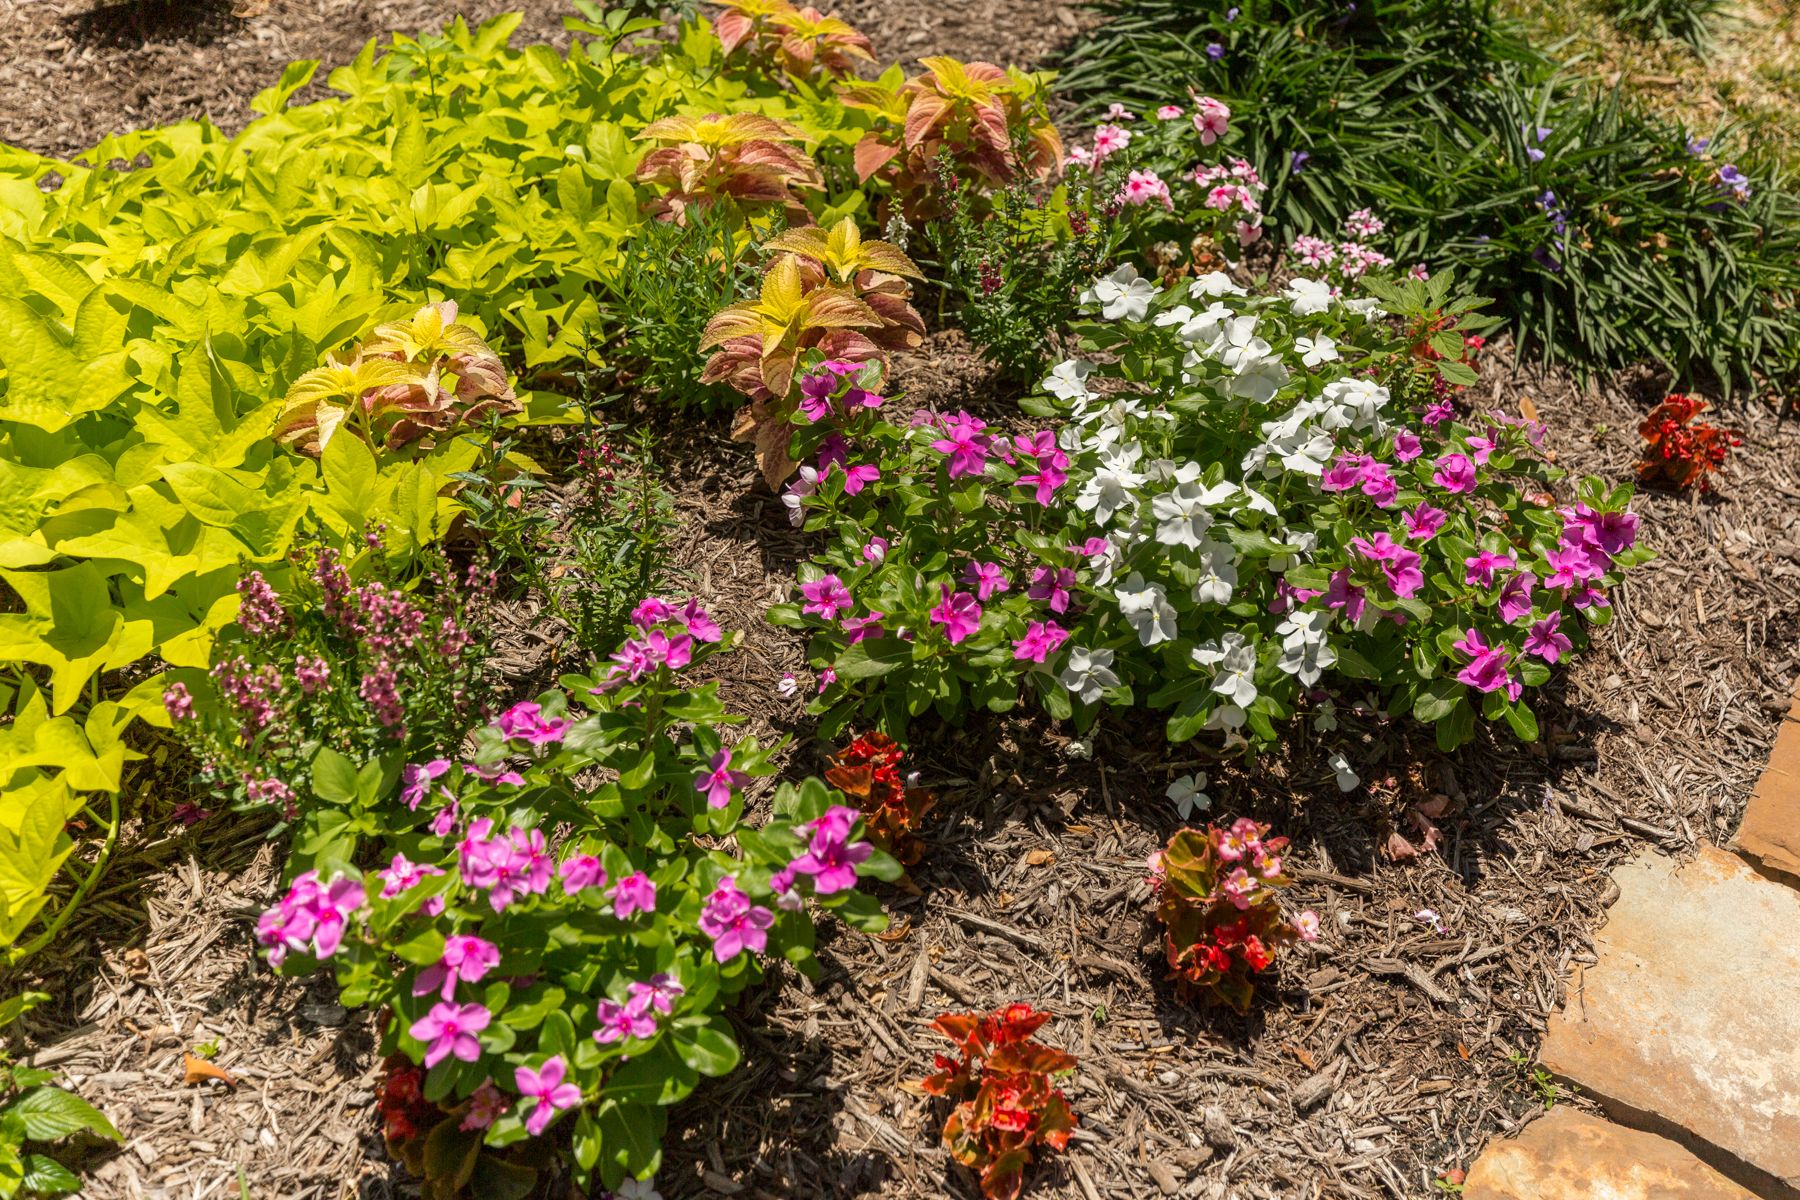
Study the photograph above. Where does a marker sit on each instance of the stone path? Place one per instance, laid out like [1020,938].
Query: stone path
[1686,1029]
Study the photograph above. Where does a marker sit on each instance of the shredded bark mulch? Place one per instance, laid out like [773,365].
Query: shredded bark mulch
[1389,1051]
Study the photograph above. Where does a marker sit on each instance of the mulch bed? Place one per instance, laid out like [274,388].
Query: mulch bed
[1373,1060]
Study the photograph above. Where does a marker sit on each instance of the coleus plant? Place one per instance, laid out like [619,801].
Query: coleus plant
[833,292]
[868,771]
[802,42]
[1006,1103]
[567,920]
[1217,898]
[410,380]
[740,159]
[988,121]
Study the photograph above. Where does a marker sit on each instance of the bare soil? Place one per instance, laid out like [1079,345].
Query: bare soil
[1391,1050]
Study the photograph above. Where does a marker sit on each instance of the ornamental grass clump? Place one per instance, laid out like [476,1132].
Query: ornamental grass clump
[553,924]
[1217,898]
[1235,505]
[1006,1101]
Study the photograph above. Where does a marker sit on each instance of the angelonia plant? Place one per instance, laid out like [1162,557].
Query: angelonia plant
[363,657]
[1002,1084]
[1217,898]
[558,923]
[1236,505]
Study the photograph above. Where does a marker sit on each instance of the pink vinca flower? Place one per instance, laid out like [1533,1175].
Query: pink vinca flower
[1041,640]
[526,722]
[1546,639]
[1480,569]
[1515,597]
[826,597]
[831,858]
[965,444]
[416,779]
[546,1086]
[633,894]
[466,959]
[988,579]
[449,1031]
[958,613]
[1455,473]
[618,1022]
[733,923]
[719,779]
[1487,669]
[1211,120]
[580,872]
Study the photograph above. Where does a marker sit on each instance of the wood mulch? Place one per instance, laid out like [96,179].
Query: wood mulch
[1382,1055]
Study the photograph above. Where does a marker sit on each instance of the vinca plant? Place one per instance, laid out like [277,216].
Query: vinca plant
[569,908]
[1237,507]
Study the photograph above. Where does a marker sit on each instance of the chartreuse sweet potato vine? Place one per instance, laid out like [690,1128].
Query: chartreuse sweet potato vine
[161,424]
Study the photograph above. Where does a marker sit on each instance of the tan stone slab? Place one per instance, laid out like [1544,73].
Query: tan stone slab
[1570,1155]
[1770,833]
[1689,1023]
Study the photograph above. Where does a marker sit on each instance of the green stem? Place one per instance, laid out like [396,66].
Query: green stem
[20,953]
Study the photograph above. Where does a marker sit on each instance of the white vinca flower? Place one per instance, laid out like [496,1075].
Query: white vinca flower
[1068,380]
[1168,471]
[1358,402]
[1314,351]
[1112,487]
[1146,606]
[1218,283]
[1187,796]
[1368,306]
[1235,660]
[1309,296]
[1207,327]
[1182,517]
[1088,673]
[1218,573]
[1172,316]
[1305,650]
[1123,295]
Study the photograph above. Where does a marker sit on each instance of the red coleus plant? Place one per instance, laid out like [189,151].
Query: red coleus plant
[1216,897]
[868,771]
[1680,452]
[1006,1102]
[831,291]
[739,159]
[443,1149]
[410,381]
[976,114]
[800,42]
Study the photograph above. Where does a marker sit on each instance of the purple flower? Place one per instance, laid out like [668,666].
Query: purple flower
[402,874]
[546,1086]
[466,958]
[1297,161]
[1423,522]
[633,894]
[958,613]
[718,781]
[1341,593]
[179,702]
[449,1031]
[1215,51]
[260,612]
